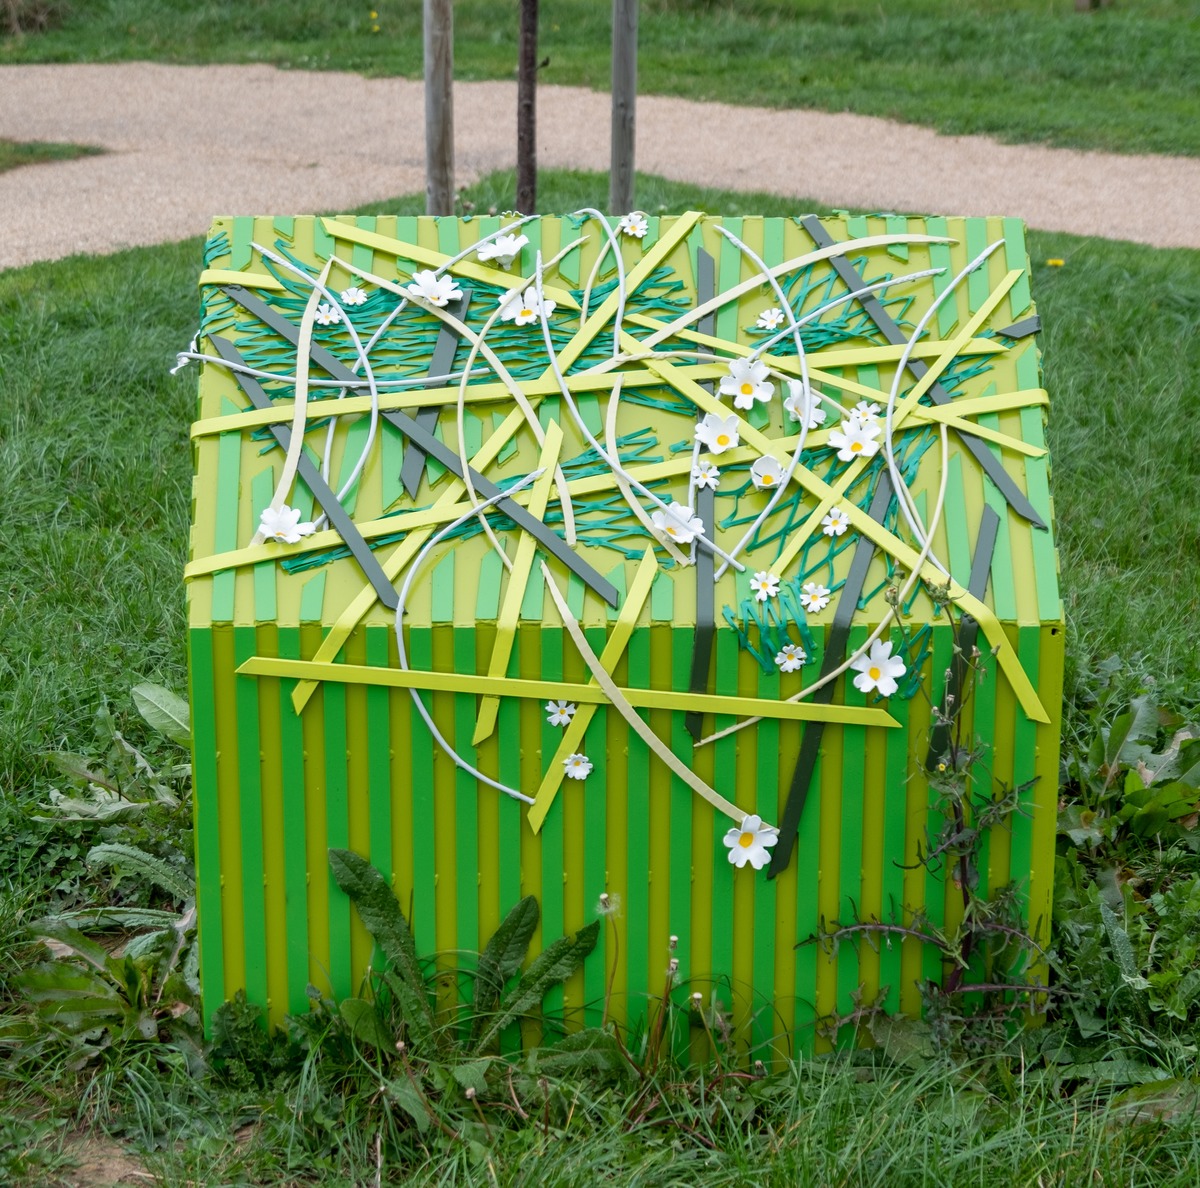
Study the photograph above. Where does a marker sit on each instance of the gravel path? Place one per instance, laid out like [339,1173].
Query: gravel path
[294,141]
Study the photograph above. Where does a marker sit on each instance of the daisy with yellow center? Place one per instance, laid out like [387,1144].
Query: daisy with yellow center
[791,657]
[855,439]
[766,473]
[751,843]
[747,382]
[677,523]
[577,766]
[815,597]
[523,309]
[764,585]
[718,434]
[836,523]
[877,671]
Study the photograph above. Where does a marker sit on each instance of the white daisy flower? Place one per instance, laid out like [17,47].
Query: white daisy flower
[765,585]
[770,319]
[577,766]
[879,670]
[678,524]
[437,290]
[327,314]
[803,404]
[766,473]
[560,713]
[283,525]
[718,434]
[836,523]
[635,224]
[815,597]
[705,474]
[504,249]
[791,657]
[354,296]
[855,439]
[523,308]
[866,411]
[747,382]
[751,843]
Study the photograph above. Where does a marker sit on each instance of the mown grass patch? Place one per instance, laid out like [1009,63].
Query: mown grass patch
[15,153]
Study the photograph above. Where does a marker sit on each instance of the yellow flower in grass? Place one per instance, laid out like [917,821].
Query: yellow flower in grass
[751,843]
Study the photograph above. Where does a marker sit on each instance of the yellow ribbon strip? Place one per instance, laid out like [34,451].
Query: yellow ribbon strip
[248,280]
[311,671]
[435,259]
[514,594]
[610,657]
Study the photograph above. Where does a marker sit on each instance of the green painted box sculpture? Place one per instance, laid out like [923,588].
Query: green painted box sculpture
[693,572]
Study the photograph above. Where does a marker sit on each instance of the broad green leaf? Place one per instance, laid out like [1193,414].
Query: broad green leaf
[78,767]
[175,881]
[382,918]
[472,1074]
[165,711]
[549,968]
[590,1050]
[404,1093]
[64,941]
[364,1022]
[502,957]
[413,1006]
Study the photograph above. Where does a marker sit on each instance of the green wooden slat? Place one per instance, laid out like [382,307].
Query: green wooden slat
[1037,484]
[225,537]
[301,497]
[983,695]
[763,1025]
[550,411]
[356,438]
[729,274]
[262,487]
[295,853]
[508,838]
[725,779]
[617,577]
[241,252]
[679,894]
[487,595]
[979,285]
[935,884]
[1024,764]
[379,754]
[1016,256]
[211,927]
[939,257]
[1004,595]
[638,807]
[337,834]
[510,446]
[419,641]
[312,598]
[324,245]
[534,597]
[576,593]
[553,858]
[857,226]
[406,232]
[954,510]
[442,590]
[595,844]
[589,412]
[853,744]
[363,256]
[895,810]
[250,818]
[467,791]
[772,249]
[662,598]
[284,225]
[897,225]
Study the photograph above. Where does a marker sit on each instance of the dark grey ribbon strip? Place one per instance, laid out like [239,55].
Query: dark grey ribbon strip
[968,630]
[835,654]
[550,541]
[311,476]
[992,467]
[1022,329]
[706,509]
[440,363]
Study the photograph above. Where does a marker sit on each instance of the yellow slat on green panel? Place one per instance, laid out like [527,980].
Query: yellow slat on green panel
[765,1030]
[358,821]
[724,751]
[595,850]
[229,814]
[552,846]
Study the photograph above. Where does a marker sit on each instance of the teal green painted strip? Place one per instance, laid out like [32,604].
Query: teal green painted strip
[241,252]
[211,928]
[983,694]
[295,853]
[509,832]
[729,274]
[1037,484]
[356,438]
[406,232]
[662,598]
[589,412]
[324,245]
[554,871]
[442,591]
[391,458]
[284,225]
[379,754]
[895,814]
[853,743]
[638,825]
[772,250]
[939,257]
[808,873]
[312,599]
[1004,595]
[595,846]
[1024,760]
[897,225]
[533,232]
[448,242]
[550,411]
[935,884]
[857,226]
[466,808]
[363,256]
[679,893]
[617,577]
[1017,256]
[249,767]
[766,804]
[724,778]
[262,488]
[510,446]
[225,539]
[978,284]
[535,595]
[424,912]
[954,509]
[487,596]
[576,592]
[472,433]
[568,266]
[337,833]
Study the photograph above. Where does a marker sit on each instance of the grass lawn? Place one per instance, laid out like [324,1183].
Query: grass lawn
[1121,78]
[95,482]
[14,153]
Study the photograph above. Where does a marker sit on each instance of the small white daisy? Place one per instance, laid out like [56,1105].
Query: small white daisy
[283,525]
[836,523]
[705,474]
[353,296]
[327,314]
[791,657]
[577,766]
[634,224]
[770,319]
[560,713]
[765,585]
[815,596]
